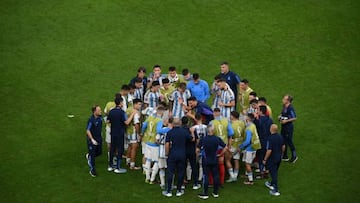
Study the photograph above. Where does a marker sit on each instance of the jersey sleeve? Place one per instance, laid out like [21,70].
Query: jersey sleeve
[89,125]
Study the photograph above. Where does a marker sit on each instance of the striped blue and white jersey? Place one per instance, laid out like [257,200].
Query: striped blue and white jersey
[177,109]
[139,93]
[161,140]
[200,130]
[215,90]
[152,99]
[226,97]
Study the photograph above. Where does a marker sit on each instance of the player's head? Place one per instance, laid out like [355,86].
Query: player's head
[287,99]
[182,87]
[262,110]
[273,128]
[192,102]
[221,83]
[249,118]
[132,88]
[210,130]
[262,101]
[254,103]
[198,118]
[96,110]
[155,85]
[137,104]
[138,83]
[186,73]
[244,84]
[224,67]
[118,101]
[172,71]
[216,112]
[166,83]
[252,95]
[157,70]
[234,115]
[196,77]
[170,122]
[124,90]
[141,72]
[117,95]
[184,121]
[217,77]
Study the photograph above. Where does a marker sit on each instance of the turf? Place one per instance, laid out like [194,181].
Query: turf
[60,57]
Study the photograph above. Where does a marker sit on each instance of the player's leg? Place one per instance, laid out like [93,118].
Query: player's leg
[291,145]
[221,169]
[284,134]
[134,147]
[194,170]
[112,153]
[236,158]
[180,166]
[228,158]
[248,158]
[170,173]
[216,176]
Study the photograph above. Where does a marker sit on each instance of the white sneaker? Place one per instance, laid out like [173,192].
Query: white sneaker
[110,168]
[268,184]
[120,170]
[179,193]
[215,195]
[166,194]
[271,192]
[196,187]
[230,180]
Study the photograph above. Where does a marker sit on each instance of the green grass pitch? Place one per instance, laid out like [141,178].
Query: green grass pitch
[60,57]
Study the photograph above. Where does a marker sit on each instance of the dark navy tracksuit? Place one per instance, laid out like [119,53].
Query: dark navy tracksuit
[263,127]
[274,143]
[209,146]
[191,156]
[95,126]
[287,130]
[117,118]
[177,138]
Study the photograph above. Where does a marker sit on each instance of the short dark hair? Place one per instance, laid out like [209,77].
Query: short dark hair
[216,109]
[157,66]
[135,101]
[192,98]
[245,81]
[184,121]
[93,108]
[141,69]
[235,114]
[172,68]
[224,63]
[125,87]
[263,99]
[263,109]
[118,100]
[185,71]
[217,77]
[171,120]
[138,80]
[196,76]
[198,116]
[165,80]
[182,86]
[132,86]
[290,98]
[155,83]
[253,94]
[254,101]
[251,116]
[221,80]
[117,95]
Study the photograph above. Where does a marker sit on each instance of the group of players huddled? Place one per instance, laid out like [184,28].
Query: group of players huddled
[168,116]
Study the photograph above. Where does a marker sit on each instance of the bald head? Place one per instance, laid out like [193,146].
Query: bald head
[273,128]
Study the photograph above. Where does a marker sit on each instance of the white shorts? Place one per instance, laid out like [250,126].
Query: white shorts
[143,148]
[248,157]
[152,152]
[235,153]
[133,138]
[162,163]
[107,134]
